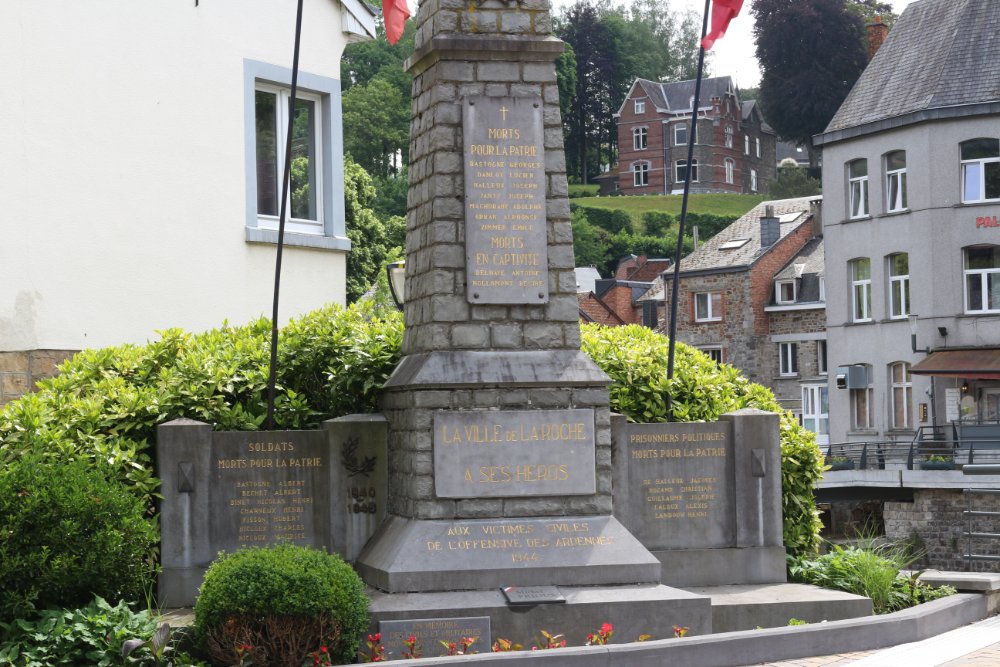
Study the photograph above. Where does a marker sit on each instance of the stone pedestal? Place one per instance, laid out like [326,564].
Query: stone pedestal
[499,426]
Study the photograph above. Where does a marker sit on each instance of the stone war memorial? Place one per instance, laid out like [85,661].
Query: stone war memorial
[495,495]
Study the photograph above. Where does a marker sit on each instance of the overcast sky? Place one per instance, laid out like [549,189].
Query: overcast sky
[733,55]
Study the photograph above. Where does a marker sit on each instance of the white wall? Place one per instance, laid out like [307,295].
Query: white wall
[122,167]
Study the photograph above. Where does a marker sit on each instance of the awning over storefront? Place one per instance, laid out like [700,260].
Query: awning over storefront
[978,364]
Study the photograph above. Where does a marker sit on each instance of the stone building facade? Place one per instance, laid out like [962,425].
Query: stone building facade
[734,148]
[21,371]
[727,297]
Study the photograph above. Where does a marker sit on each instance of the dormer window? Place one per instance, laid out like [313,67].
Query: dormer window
[784,292]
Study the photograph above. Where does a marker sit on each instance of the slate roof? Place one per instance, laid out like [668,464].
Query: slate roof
[807,266]
[676,96]
[939,53]
[710,257]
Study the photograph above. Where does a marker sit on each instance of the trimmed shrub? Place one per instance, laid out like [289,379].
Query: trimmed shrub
[284,602]
[657,222]
[610,220]
[636,360]
[67,533]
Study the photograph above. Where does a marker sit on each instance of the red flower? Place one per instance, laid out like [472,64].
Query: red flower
[607,628]
[322,649]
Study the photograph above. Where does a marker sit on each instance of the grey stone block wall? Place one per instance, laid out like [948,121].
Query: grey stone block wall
[468,49]
[411,455]
[935,518]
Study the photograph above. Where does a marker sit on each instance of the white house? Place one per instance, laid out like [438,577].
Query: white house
[140,175]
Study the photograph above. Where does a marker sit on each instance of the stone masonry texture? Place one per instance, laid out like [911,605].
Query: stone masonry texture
[465,49]
[21,371]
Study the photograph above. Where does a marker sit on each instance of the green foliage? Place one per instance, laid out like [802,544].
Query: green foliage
[580,190]
[255,584]
[794,182]
[707,211]
[390,195]
[657,222]
[105,404]
[610,220]
[371,238]
[590,244]
[97,634]
[805,76]
[69,533]
[636,359]
[872,570]
[376,125]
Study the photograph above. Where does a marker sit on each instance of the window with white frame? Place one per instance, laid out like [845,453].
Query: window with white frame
[707,306]
[788,359]
[746,144]
[902,395]
[899,286]
[639,138]
[982,279]
[729,136]
[862,414]
[271,105]
[895,181]
[980,170]
[816,411]
[730,165]
[857,188]
[640,174]
[822,288]
[753,180]
[714,353]
[784,292]
[680,134]
[640,106]
[821,366]
[680,169]
[861,289]
[757,144]
[314,205]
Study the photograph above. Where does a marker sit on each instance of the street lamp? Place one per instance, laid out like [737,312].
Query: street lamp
[396,272]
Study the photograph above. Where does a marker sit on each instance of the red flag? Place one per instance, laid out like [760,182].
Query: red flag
[723,11]
[394,13]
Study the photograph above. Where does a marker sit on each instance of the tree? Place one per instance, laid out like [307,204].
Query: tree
[811,53]
[372,239]
[793,181]
[869,9]
[376,126]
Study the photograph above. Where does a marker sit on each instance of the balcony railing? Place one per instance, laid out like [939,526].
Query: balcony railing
[933,447]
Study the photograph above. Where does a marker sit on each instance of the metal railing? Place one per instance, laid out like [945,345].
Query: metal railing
[932,448]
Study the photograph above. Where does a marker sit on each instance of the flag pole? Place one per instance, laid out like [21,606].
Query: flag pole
[286,177]
[684,202]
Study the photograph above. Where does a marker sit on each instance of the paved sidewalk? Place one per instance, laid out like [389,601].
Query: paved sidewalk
[975,645]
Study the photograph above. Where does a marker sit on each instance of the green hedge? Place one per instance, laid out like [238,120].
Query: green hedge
[67,533]
[105,404]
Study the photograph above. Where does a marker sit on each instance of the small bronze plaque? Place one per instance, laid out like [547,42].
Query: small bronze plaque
[519,595]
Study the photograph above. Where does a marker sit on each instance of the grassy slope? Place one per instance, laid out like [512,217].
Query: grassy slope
[732,205]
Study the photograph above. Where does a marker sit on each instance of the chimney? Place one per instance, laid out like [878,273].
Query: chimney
[770,229]
[877,32]
[816,211]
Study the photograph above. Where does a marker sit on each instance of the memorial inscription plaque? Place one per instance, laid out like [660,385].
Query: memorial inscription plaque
[429,632]
[680,485]
[511,453]
[505,232]
[267,489]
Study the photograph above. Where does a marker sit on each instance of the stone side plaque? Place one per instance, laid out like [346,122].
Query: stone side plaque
[268,488]
[430,632]
[679,493]
[491,454]
[506,245]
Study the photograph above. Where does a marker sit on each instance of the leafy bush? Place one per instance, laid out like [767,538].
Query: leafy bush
[657,222]
[636,359]
[105,404]
[67,533]
[97,634]
[872,571]
[610,220]
[284,602]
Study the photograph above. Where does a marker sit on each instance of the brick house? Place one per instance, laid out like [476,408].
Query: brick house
[618,301]
[752,296]
[734,147]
